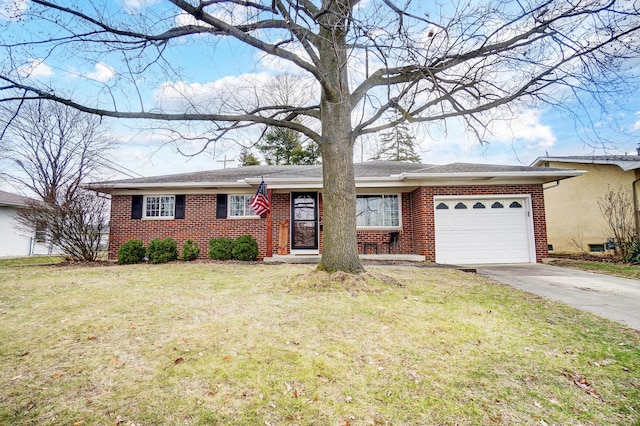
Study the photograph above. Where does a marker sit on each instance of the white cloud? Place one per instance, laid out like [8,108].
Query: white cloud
[636,125]
[135,6]
[232,94]
[35,68]
[12,10]
[525,126]
[184,19]
[102,73]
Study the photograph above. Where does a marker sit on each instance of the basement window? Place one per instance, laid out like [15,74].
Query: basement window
[596,248]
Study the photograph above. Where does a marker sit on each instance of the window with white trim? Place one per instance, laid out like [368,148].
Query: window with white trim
[239,206]
[378,211]
[159,206]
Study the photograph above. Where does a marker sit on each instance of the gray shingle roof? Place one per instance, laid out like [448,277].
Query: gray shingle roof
[217,176]
[378,171]
[625,162]
[484,168]
[9,199]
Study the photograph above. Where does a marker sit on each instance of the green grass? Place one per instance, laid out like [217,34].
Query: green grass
[616,269]
[279,345]
[30,261]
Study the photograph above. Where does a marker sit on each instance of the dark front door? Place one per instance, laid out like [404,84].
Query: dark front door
[304,221]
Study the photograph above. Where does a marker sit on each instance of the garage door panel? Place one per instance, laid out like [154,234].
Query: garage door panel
[483,235]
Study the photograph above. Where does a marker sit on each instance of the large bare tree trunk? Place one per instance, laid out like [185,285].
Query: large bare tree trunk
[340,247]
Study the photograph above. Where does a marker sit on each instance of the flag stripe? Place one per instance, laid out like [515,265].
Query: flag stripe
[260,202]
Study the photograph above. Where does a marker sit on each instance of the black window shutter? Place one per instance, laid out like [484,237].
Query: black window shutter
[179,213]
[136,207]
[221,206]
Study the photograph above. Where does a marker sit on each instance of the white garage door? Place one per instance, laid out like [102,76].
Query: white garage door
[483,230]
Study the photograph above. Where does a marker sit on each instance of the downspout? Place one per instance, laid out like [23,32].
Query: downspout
[634,189]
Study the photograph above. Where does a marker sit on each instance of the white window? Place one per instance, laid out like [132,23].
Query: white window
[159,206]
[239,206]
[377,211]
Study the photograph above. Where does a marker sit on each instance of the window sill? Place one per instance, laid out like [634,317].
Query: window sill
[243,217]
[159,218]
[379,228]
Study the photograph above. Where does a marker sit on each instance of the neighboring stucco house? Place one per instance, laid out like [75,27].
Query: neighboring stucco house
[14,239]
[575,223]
[456,213]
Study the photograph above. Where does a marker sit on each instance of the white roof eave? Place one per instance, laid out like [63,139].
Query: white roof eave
[168,185]
[402,180]
[492,175]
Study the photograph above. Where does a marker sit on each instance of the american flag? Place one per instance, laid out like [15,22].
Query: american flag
[260,202]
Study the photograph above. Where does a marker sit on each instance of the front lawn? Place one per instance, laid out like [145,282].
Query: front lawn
[279,345]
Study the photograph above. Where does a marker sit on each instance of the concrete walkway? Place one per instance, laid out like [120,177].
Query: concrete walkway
[617,299]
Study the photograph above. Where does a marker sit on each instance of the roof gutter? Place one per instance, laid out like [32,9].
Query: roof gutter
[541,174]
[99,186]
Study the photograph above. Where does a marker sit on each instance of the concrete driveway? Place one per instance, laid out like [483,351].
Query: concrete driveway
[617,299]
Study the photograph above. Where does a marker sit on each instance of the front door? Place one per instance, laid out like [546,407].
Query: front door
[304,221]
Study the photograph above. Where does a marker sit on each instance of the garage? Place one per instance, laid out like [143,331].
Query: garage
[483,230]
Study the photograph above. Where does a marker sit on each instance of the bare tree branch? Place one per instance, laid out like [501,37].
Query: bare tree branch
[427,63]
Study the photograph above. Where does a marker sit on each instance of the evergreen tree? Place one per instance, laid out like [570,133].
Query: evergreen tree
[398,144]
[247,158]
[282,146]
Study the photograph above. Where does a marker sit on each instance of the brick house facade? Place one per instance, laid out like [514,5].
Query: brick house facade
[413,193]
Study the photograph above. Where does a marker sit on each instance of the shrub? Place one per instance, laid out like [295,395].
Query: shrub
[633,253]
[162,251]
[245,248]
[190,250]
[131,252]
[220,248]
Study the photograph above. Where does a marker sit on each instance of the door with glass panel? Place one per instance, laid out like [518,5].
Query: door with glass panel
[304,221]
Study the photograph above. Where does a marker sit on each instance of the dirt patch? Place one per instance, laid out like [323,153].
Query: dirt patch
[366,282]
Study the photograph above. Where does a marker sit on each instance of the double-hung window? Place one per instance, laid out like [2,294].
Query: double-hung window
[159,206]
[378,211]
[239,206]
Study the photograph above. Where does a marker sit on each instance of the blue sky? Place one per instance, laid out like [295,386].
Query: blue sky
[533,131]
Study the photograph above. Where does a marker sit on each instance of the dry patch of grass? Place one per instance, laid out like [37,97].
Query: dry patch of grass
[261,344]
[604,267]
[30,261]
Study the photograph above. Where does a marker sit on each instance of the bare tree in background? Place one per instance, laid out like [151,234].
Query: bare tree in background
[51,150]
[618,211]
[425,62]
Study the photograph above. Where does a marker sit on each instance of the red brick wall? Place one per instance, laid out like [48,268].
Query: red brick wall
[423,216]
[200,223]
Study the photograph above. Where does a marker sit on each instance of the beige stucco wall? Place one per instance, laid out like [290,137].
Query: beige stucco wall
[573,216]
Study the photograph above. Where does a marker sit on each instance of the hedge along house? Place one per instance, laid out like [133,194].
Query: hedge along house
[457,213]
